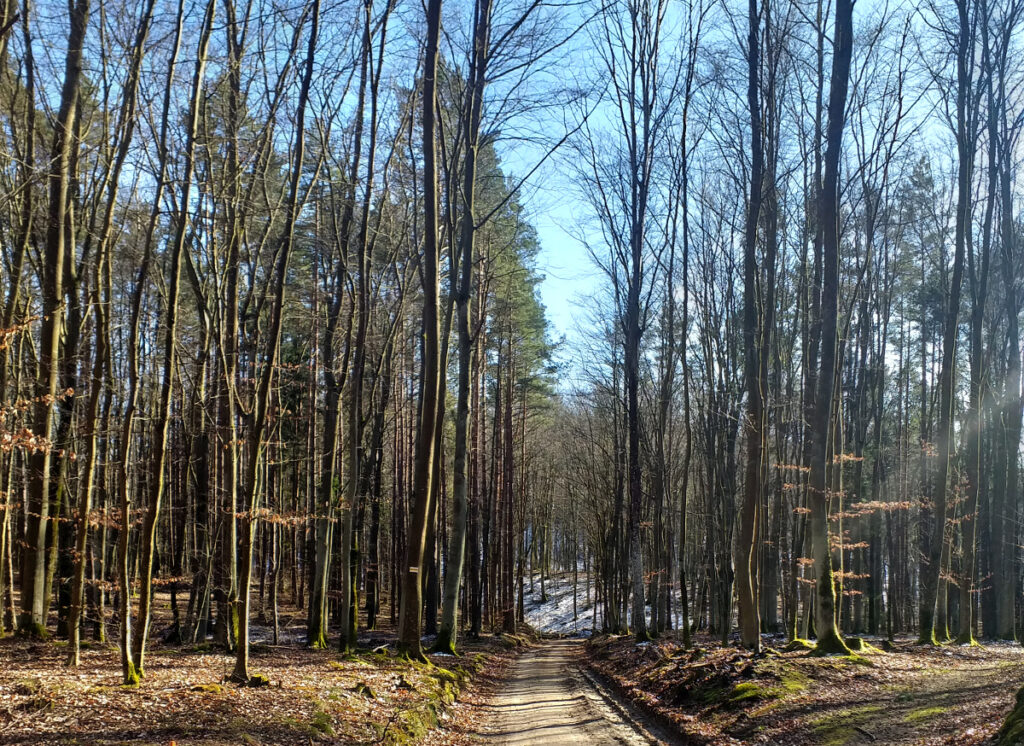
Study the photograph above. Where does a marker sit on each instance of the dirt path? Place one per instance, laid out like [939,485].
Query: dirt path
[547,698]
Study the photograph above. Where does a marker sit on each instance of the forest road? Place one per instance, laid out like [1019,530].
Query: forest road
[548,698]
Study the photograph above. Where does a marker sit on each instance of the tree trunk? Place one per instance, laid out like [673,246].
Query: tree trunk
[411,612]
[829,640]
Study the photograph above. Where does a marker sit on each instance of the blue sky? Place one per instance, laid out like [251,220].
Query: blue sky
[569,274]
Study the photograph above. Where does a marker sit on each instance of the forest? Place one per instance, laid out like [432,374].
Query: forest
[292,450]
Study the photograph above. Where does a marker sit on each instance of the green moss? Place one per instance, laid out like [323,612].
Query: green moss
[857,660]
[793,681]
[923,713]
[38,703]
[790,682]
[901,692]
[443,674]
[28,687]
[968,641]
[208,688]
[449,692]
[798,644]
[709,695]
[33,630]
[36,698]
[750,690]
[322,723]
[446,645]
[838,728]
[859,645]
[416,723]
[830,645]
[513,641]
[1012,730]
[131,676]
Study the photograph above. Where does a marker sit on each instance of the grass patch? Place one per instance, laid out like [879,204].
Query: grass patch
[923,713]
[900,692]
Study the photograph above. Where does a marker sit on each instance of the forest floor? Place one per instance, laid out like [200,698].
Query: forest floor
[314,696]
[606,690]
[911,695]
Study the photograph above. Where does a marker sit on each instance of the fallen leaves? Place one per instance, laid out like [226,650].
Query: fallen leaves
[721,695]
[185,698]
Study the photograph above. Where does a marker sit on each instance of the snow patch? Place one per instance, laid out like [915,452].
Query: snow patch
[554,615]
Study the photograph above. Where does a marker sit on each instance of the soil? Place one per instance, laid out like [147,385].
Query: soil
[548,697]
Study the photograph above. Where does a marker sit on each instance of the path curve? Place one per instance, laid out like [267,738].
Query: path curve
[549,699]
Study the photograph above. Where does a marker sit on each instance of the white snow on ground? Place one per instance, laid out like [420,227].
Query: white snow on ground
[555,615]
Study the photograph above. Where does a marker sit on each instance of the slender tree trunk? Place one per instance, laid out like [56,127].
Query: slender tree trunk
[261,404]
[825,607]
[411,612]
[747,581]
[470,133]
[929,625]
[33,597]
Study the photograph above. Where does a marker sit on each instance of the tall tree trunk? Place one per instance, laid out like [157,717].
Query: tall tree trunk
[411,612]
[470,134]
[159,447]
[261,403]
[825,612]
[33,600]
[929,625]
[746,573]
[978,276]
